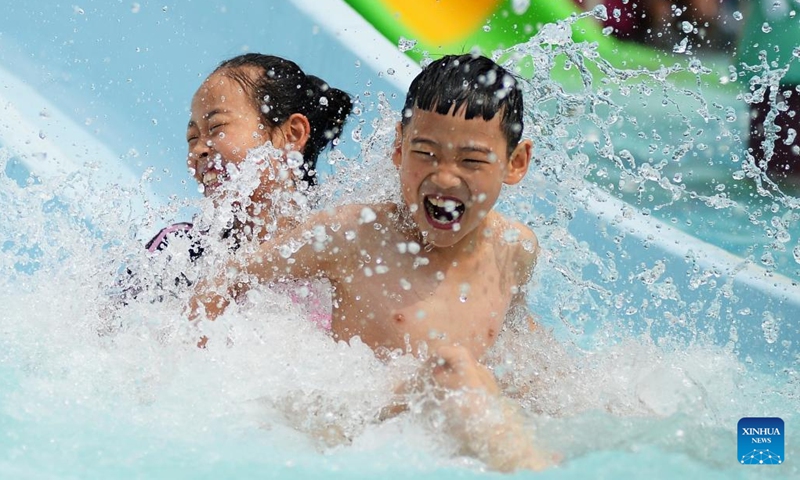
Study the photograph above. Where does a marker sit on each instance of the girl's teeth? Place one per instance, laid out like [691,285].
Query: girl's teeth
[209,178]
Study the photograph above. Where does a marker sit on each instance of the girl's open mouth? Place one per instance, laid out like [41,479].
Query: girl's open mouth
[212,178]
[443,212]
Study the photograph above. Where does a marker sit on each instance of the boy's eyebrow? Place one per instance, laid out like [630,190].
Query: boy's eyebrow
[465,148]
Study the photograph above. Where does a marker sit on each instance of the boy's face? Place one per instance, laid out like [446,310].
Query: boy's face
[452,170]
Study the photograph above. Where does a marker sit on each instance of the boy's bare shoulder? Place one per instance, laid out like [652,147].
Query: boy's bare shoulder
[519,242]
[516,235]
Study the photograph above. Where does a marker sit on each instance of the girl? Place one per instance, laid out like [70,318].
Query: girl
[245,103]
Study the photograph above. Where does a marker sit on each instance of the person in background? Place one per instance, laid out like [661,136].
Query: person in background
[770,39]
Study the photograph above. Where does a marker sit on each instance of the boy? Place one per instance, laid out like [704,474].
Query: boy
[439,273]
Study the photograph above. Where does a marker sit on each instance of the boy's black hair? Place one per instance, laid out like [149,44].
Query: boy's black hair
[472,82]
[280,88]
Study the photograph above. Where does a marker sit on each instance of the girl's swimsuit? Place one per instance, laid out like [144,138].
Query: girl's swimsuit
[313,296]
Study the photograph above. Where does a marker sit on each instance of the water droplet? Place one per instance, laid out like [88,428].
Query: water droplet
[681,47]
[687,27]
[367,215]
[796,253]
[520,6]
[463,292]
[42,135]
[770,327]
[487,28]
[135,8]
[294,159]
[405,284]
[405,44]
[766,28]
[608,31]
[154,120]
[737,15]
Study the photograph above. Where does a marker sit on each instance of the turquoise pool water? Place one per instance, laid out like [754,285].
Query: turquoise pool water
[671,341]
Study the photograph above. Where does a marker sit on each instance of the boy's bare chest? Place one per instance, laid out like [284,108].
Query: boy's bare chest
[419,309]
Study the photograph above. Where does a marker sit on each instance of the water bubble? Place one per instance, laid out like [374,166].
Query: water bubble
[737,15]
[766,28]
[294,159]
[520,6]
[405,44]
[367,215]
[608,31]
[681,47]
[687,27]
[487,28]
[770,327]
[463,292]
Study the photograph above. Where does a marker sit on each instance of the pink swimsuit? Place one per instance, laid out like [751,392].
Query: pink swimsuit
[313,296]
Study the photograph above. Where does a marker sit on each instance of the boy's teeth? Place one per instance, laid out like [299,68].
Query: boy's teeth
[449,205]
[443,211]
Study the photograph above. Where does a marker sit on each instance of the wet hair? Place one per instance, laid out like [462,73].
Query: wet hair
[280,88]
[473,83]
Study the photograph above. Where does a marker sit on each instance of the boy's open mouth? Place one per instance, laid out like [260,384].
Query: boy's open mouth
[443,212]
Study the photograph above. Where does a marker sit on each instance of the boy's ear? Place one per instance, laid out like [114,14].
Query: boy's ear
[397,151]
[297,131]
[519,162]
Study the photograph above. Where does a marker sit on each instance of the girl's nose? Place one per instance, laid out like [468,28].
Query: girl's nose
[200,150]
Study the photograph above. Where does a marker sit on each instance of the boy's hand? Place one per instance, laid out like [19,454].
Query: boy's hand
[454,368]
[488,425]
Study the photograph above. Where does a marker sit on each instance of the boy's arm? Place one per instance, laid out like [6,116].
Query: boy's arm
[312,249]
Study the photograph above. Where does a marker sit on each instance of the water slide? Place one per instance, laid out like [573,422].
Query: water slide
[71,101]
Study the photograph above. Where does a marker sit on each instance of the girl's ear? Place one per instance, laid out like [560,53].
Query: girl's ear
[518,162]
[296,131]
[397,151]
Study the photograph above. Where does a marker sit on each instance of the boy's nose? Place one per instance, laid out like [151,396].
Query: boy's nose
[445,178]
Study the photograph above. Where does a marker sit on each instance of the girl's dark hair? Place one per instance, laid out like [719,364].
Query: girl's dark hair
[280,88]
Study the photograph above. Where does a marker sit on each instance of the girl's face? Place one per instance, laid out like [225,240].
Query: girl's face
[224,126]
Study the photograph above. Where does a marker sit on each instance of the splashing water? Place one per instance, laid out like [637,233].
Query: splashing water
[659,357]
